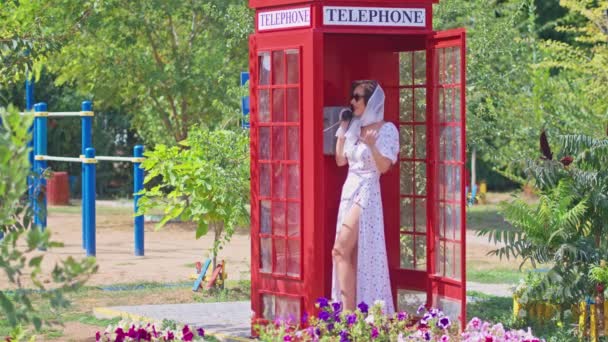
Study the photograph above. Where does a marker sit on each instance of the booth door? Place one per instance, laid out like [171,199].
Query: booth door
[448,233]
[276,169]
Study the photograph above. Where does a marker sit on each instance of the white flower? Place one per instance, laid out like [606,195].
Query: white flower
[379,302]
[369,319]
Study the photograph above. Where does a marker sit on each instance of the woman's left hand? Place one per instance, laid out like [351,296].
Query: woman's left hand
[370,137]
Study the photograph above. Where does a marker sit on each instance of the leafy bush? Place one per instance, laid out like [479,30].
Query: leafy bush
[205,179]
[563,231]
[22,265]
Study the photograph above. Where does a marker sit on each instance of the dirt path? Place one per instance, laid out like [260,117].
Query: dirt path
[169,253]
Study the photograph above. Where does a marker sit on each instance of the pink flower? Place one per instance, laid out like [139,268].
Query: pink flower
[97,336]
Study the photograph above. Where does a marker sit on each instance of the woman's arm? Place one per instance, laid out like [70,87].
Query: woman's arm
[340,158]
[370,138]
[382,163]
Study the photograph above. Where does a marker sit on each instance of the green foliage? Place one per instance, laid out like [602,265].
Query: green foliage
[173,64]
[19,261]
[564,230]
[205,179]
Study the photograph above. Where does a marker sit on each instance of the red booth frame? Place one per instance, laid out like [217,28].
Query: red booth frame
[320,180]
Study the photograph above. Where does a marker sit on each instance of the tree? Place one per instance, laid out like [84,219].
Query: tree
[172,64]
[205,180]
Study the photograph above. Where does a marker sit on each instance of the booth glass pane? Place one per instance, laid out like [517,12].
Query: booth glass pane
[420,243]
[441,61]
[420,67]
[456,103]
[456,144]
[420,141]
[421,179]
[265,171]
[278,218]
[406,141]
[457,222]
[268,306]
[406,242]
[441,104]
[449,260]
[264,105]
[406,105]
[420,104]
[441,220]
[293,262]
[266,255]
[293,143]
[278,105]
[441,257]
[265,217]
[264,143]
[457,62]
[288,310]
[293,181]
[293,219]
[293,66]
[278,143]
[281,256]
[405,68]
[406,170]
[278,181]
[450,307]
[449,224]
[457,259]
[449,65]
[278,67]
[420,215]
[409,300]
[264,68]
[293,104]
[406,211]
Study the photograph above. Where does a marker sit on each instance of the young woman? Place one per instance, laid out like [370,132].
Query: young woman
[369,146]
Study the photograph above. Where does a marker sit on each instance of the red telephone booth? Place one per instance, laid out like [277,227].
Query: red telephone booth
[304,55]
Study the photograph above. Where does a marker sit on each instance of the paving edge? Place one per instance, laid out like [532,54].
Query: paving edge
[111,313]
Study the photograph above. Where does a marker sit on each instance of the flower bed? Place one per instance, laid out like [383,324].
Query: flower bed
[372,324]
[127,331]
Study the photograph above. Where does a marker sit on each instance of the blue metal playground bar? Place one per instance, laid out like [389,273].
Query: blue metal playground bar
[89,161]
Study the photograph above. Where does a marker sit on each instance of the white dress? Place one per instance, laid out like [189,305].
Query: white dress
[362,186]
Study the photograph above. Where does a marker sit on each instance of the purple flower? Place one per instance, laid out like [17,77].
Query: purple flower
[351,319]
[444,323]
[154,332]
[304,318]
[143,334]
[170,336]
[363,307]
[344,336]
[120,334]
[374,332]
[401,316]
[188,335]
[427,336]
[445,338]
[287,338]
[201,332]
[330,327]
[421,309]
[324,315]
[322,302]
[434,312]
[337,306]
[97,336]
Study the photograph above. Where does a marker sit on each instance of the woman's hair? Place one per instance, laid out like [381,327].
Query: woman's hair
[368,88]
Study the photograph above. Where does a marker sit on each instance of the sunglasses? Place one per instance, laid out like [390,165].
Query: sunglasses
[357,97]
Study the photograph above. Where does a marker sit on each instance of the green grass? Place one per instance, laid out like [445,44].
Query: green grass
[494,276]
[485,216]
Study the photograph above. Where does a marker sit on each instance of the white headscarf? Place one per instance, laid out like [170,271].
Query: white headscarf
[374,112]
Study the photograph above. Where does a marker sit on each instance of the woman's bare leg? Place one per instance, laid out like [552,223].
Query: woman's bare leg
[345,257]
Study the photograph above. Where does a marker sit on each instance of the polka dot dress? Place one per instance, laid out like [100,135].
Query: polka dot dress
[362,186]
